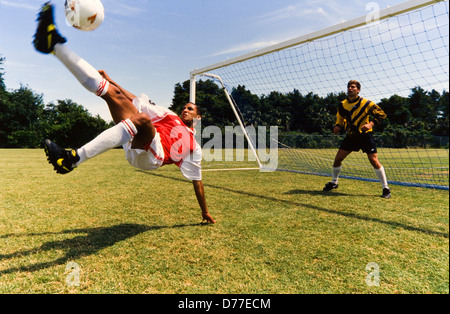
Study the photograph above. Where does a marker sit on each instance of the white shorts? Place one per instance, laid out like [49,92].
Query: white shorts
[146,160]
[152,158]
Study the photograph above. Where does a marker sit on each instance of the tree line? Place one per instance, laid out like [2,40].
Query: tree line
[25,120]
[411,120]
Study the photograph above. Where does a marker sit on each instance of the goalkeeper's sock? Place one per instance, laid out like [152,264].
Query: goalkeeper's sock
[114,137]
[381,174]
[336,172]
[85,73]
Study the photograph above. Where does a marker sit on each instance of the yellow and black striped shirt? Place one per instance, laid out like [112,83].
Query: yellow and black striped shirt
[353,115]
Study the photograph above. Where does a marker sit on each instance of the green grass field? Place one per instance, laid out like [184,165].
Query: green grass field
[131,231]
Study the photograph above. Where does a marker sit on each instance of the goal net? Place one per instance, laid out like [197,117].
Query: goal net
[399,54]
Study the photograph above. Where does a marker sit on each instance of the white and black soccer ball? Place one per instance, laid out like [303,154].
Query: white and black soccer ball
[85,15]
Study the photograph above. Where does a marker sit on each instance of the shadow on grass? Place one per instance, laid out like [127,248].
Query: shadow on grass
[326,194]
[313,207]
[93,240]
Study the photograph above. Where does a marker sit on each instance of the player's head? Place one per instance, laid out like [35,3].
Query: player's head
[353,88]
[355,83]
[190,112]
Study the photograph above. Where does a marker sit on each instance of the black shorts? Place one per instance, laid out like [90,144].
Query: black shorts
[362,141]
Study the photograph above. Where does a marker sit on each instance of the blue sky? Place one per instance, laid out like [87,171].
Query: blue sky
[148,46]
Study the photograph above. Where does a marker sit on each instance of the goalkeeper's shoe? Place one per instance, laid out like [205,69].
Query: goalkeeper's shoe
[62,160]
[47,36]
[386,193]
[330,186]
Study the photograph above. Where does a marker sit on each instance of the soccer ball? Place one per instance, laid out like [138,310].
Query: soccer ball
[85,15]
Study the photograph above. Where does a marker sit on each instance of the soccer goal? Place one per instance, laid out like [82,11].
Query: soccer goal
[390,51]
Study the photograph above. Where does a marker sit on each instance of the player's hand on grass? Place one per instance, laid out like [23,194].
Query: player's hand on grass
[208,218]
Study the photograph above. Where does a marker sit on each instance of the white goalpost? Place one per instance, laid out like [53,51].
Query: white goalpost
[233,107]
[390,52]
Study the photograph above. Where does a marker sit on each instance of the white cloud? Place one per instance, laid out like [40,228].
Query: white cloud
[269,23]
[292,12]
[246,47]
[19,4]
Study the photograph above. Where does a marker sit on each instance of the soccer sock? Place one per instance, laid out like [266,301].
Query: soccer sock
[85,73]
[381,174]
[336,172]
[114,137]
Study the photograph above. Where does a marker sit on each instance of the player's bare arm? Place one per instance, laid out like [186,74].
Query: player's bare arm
[200,193]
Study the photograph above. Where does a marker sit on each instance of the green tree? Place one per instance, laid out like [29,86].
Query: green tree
[210,97]
[20,118]
[19,115]
[425,108]
[2,83]
[70,124]
[331,103]
[3,104]
[25,121]
[249,105]
[276,109]
[410,119]
[442,126]
[317,117]
[180,96]
[397,109]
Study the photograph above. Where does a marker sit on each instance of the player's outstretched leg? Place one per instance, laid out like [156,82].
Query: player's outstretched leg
[62,160]
[48,40]
[129,122]
[47,36]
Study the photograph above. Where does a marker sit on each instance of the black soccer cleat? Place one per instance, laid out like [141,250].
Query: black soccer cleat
[330,186]
[386,193]
[47,36]
[62,160]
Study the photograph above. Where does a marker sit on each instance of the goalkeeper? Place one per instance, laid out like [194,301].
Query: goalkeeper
[151,136]
[354,117]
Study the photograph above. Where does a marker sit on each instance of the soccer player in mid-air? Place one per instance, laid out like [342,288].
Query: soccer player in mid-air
[354,116]
[151,136]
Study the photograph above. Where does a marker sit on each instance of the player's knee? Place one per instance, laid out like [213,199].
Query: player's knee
[375,162]
[141,121]
[338,161]
[146,130]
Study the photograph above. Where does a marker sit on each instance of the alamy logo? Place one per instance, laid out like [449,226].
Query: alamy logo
[374,15]
[256,144]
[373,277]
[73,274]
